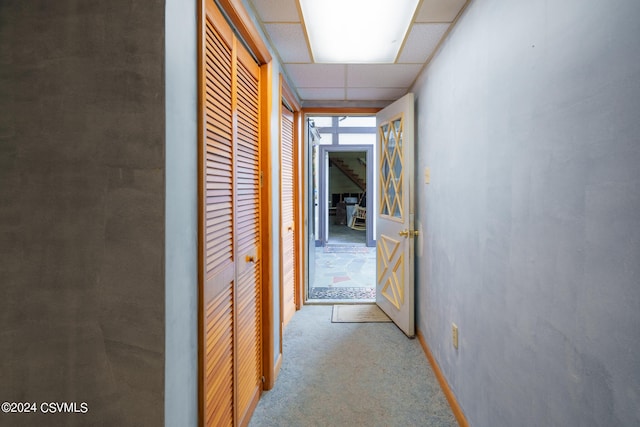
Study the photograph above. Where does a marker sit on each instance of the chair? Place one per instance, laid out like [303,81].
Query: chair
[359,219]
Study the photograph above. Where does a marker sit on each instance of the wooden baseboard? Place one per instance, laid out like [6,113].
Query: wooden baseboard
[451,398]
[272,375]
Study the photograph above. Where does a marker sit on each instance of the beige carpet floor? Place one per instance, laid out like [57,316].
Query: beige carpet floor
[351,374]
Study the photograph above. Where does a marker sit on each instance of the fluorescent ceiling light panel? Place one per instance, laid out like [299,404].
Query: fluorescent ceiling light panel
[357,31]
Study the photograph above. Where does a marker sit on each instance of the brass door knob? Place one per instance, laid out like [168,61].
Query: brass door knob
[409,233]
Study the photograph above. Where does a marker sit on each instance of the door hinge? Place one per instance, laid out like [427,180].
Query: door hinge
[261,179]
[264,380]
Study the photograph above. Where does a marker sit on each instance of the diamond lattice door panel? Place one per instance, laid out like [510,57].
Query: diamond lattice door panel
[391,270]
[391,175]
[395,213]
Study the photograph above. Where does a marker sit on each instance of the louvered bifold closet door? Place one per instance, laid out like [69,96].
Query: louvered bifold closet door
[218,257]
[230,235]
[248,236]
[287,214]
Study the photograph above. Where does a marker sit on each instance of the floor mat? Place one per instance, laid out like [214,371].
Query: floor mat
[342,293]
[358,313]
[338,249]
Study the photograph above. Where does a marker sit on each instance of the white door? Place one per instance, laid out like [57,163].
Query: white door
[395,213]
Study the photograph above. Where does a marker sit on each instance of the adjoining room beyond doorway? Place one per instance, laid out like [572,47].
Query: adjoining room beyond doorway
[342,261]
[344,268]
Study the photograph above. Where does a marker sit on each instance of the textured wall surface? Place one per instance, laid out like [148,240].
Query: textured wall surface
[528,119]
[82,209]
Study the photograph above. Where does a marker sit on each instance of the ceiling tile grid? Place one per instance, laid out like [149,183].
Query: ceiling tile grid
[346,84]
[382,75]
[317,75]
[292,45]
[375,93]
[421,42]
[439,10]
[277,10]
[323,94]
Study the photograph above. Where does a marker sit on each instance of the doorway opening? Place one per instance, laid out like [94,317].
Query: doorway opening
[342,249]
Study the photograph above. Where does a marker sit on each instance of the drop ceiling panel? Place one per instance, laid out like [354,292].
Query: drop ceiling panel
[317,75]
[292,45]
[322,94]
[353,84]
[375,94]
[439,10]
[382,75]
[422,40]
[277,10]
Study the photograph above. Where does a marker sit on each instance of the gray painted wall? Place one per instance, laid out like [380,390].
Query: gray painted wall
[275,208]
[82,209]
[181,279]
[528,119]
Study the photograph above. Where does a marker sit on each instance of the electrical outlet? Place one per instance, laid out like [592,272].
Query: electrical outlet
[454,330]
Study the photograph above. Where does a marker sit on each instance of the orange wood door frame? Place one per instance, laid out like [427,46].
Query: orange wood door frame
[270,368]
[295,116]
[288,231]
[298,175]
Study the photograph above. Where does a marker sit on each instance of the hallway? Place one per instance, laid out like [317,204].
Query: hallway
[351,374]
[147,242]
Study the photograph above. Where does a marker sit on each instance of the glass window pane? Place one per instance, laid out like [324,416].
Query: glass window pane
[322,121]
[357,138]
[358,121]
[396,210]
[325,139]
[391,169]
[398,130]
[397,165]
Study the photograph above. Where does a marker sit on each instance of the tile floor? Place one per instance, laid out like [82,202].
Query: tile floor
[344,269]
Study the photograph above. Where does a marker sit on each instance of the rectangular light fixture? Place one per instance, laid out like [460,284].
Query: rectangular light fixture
[356,31]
